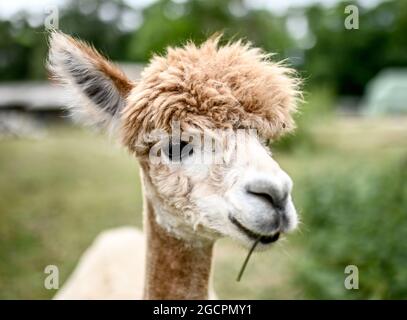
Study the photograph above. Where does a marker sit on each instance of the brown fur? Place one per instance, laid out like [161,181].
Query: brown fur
[119,79]
[212,87]
[174,268]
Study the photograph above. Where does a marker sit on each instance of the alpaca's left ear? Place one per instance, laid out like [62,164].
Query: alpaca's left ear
[97,88]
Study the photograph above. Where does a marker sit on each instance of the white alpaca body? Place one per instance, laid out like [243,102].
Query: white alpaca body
[111,268]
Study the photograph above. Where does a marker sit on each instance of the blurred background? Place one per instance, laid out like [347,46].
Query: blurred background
[61,185]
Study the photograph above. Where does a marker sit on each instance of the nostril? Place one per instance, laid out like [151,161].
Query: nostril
[277,203]
[265,196]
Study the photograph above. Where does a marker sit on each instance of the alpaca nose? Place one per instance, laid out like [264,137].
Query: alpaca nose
[274,192]
[277,203]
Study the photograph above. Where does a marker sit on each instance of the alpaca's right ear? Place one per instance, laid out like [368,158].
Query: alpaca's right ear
[97,88]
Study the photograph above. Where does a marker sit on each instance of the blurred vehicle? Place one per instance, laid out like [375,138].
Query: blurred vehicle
[386,93]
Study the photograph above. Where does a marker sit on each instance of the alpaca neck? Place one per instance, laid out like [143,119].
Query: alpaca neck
[175,269]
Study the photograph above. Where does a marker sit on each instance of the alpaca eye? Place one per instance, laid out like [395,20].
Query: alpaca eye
[178,151]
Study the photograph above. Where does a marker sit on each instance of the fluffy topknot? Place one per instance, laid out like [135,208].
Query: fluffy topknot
[213,87]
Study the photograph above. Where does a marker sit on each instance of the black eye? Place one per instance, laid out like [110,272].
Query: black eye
[178,151]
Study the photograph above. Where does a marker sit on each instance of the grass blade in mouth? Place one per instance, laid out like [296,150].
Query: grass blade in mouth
[247,259]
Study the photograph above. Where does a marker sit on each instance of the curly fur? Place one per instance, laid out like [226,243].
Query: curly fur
[211,87]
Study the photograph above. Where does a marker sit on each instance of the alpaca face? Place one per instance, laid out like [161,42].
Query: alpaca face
[197,121]
[228,186]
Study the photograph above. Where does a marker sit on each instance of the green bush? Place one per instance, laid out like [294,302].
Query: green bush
[355,217]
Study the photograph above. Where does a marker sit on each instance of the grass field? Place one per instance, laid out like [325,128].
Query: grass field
[58,193]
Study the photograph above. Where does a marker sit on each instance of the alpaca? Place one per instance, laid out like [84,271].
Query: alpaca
[209,90]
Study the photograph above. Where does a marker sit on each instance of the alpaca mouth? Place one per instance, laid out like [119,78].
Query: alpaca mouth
[253,235]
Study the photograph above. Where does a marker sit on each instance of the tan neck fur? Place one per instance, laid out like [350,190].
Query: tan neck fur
[174,268]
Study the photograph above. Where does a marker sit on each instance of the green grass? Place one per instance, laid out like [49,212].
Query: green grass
[58,193]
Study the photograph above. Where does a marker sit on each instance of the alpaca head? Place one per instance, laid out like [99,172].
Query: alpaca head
[199,121]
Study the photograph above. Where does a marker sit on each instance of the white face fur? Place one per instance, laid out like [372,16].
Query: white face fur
[236,190]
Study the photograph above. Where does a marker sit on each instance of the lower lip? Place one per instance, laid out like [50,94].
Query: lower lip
[263,239]
[271,239]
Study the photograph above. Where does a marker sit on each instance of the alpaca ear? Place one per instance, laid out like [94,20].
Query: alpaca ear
[97,89]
